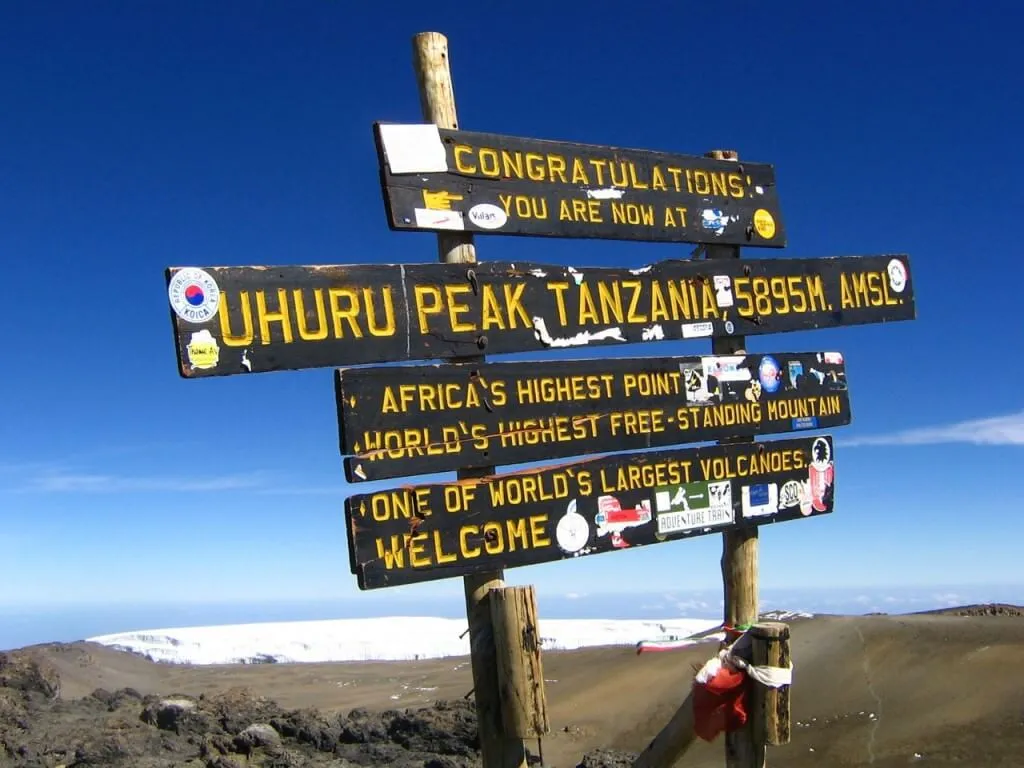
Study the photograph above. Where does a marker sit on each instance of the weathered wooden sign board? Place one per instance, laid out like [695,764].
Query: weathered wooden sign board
[250,319]
[434,531]
[408,420]
[438,180]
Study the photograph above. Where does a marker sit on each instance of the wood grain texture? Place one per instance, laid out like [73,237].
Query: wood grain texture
[437,102]
[770,707]
[739,546]
[520,669]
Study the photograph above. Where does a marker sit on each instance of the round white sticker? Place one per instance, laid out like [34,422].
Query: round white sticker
[789,494]
[487,216]
[572,531]
[194,295]
[897,275]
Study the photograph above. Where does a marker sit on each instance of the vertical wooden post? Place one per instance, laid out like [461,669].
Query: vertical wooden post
[769,707]
[524,708]
[739,546]
[437,102]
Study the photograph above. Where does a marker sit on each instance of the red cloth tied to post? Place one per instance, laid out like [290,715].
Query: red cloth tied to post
[718,700]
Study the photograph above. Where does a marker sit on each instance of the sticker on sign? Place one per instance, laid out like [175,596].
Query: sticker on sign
[488,216]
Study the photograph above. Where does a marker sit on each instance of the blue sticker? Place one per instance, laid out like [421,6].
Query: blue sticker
[759,495]
[714,220]
[796,370]
[805,422]
[770,374]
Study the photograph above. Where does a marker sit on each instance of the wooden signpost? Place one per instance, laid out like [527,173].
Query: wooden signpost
[433,531]
[238,320]
[449,180]
[413,420]
[599,417]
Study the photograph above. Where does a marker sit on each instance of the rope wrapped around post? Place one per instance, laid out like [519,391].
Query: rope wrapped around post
[724,700]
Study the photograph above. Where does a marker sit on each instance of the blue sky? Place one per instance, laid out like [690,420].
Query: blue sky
[136,136]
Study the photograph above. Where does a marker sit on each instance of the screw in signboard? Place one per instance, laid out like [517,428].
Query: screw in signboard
[481,341]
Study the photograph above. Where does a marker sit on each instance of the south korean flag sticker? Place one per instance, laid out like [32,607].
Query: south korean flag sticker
[194,295]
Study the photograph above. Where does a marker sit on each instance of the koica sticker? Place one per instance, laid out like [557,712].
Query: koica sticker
[194,295]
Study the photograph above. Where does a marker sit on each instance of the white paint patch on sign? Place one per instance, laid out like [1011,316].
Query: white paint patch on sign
[413,148]
[610,193]
[581,339]
[428,218]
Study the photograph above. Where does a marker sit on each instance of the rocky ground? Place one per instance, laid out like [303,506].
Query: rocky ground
[879,691]
[234,729]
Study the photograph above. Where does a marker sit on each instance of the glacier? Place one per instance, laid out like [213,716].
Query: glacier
[391,638]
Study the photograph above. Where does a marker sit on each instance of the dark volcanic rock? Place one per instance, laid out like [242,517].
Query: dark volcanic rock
[607,758]
[255,736]
[23,672]
[363,727]
[449,729]
[179,714]
[235,729]
[982,609]
[238,708]
[308,726]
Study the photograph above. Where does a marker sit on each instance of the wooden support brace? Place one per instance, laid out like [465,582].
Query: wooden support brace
[672,741]
[769,707]
[524,708]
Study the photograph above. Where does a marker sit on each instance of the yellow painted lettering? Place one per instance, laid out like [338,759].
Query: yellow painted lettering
[610,299]
[392,553]
[514,304]
[461,150]
[349,313]
[658,179]
[465,549]
[455,308]
[422,294]
[588,310]
[538,533]
[227,336]
[301,316]
[556,168]
[376,328]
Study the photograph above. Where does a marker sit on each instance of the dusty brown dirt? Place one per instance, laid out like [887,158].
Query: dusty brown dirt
[928,689]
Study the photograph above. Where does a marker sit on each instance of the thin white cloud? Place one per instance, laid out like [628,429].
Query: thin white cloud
[309,490]
[997,430]
[55,481]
